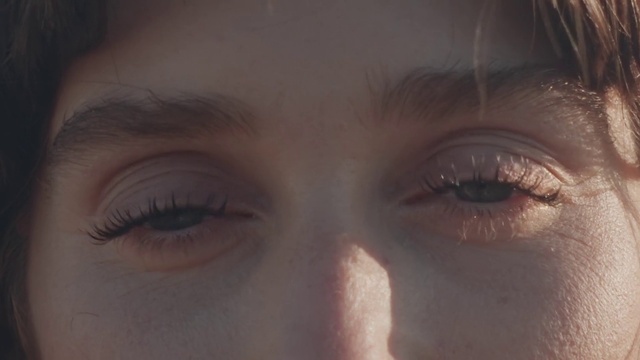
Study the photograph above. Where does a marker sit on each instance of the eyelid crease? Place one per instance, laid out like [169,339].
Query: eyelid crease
[507,143]
[181,170]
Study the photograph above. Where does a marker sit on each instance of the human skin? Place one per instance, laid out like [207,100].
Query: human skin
[333,243]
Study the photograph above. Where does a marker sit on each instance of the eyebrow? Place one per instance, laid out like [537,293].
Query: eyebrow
[422,94]
[113,120]
[430,96]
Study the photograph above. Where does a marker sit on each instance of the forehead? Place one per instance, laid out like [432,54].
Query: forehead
[300,53]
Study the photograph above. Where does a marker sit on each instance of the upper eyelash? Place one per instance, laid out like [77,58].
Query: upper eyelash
[522,183]
[122,222]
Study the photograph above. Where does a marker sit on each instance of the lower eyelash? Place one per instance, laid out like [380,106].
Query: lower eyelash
[157,243]
[122,222]
[488,221]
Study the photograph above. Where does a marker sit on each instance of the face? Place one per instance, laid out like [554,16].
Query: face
[326,180]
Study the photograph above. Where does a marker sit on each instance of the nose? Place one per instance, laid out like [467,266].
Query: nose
[337,302]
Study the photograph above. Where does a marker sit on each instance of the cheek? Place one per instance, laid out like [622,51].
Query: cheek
[602,293]
[83,305]
[571,293]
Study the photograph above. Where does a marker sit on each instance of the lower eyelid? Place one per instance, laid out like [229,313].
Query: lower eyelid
[154,250]
[521,217]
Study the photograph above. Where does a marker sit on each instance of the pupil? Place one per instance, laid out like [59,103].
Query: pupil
[176,222]
[483,192]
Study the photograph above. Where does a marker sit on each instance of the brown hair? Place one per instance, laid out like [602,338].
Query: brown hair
[598,42]
[38,40]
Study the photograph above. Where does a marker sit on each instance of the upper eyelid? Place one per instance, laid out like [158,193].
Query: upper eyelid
[505,141]
[515,146]
[182,167]
[189,177]
[499,170]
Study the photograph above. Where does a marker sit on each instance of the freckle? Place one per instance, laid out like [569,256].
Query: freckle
[503,300]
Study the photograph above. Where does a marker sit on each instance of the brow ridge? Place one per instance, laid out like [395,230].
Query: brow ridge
[114,119]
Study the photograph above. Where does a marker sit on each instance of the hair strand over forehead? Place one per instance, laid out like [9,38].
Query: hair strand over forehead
[597,37]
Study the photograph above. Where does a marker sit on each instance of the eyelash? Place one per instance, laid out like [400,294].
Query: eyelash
[526,184]
[121,223]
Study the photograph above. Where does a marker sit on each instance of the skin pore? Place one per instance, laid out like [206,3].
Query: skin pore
[293,179]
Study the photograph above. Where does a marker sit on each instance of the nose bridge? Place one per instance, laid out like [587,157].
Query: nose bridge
[335,296]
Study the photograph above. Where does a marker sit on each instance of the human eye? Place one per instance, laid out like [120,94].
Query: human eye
[169,219]
[482,192]
[167,233]
[504,184]
[167,215]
